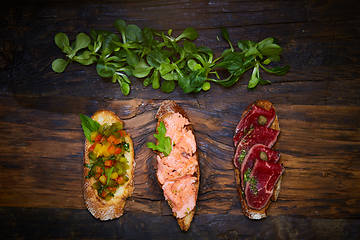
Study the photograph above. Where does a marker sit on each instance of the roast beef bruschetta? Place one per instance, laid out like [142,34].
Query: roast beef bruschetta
[258,171]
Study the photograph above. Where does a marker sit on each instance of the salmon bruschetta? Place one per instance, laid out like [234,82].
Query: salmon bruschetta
[177,169]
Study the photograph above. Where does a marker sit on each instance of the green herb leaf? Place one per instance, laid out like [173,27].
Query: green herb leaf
[142,69]
[62,41]
[134,33]
[271,50]
[189,33]
[168,86]
[164,143]
[255,78]
[155,79]
[105,70]
[225,36]
[242,156]
[88,125]
[59,65]
[247,175]
[82,41]
[277,70]
[253,185]
[85,58]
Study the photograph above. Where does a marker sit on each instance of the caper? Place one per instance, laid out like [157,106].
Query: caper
[263,156]
[262,120]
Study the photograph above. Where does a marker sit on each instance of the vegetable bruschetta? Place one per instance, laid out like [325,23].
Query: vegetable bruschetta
[108,165]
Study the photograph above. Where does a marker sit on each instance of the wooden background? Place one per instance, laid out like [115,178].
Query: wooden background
[41,143]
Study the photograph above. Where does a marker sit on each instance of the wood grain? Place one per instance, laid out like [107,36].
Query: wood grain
[317,103]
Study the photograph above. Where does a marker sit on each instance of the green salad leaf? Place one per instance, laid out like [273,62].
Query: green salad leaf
[165,61]
[164,142]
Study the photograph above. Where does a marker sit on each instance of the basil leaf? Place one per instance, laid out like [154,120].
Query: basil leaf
[88,125]
[164,143]
[59,65]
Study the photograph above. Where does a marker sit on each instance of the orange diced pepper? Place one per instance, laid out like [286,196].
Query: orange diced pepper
[122,133]
[120,180]
[112,189]
[111,149]
[92,147]
[118,150]
[98,170]
[111,139]
[108,163]
[98,138]
[103,194]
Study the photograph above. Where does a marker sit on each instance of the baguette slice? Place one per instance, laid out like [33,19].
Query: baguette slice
[166,108]
[249,212]
[114,208]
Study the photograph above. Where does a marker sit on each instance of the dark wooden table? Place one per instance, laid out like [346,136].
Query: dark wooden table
[41,143]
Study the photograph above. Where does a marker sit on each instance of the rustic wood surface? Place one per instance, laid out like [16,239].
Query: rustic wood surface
[318,104]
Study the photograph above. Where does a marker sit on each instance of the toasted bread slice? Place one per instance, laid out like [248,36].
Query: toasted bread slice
[168,107]
[113,208]
[249,212]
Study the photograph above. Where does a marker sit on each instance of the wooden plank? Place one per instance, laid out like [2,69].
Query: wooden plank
[70,223]
[319,146]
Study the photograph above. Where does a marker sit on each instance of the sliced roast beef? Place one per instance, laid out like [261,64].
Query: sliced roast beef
[260,185]
[257,152]
[259,135]
[256,116]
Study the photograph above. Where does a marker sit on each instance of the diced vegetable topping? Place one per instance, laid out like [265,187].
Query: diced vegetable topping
[108,164]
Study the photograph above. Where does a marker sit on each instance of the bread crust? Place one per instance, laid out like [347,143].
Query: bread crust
[249,212]
[114,208]
[167,108]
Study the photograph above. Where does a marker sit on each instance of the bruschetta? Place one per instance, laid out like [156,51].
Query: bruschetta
[258,171]
[178,170]
[108,165]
